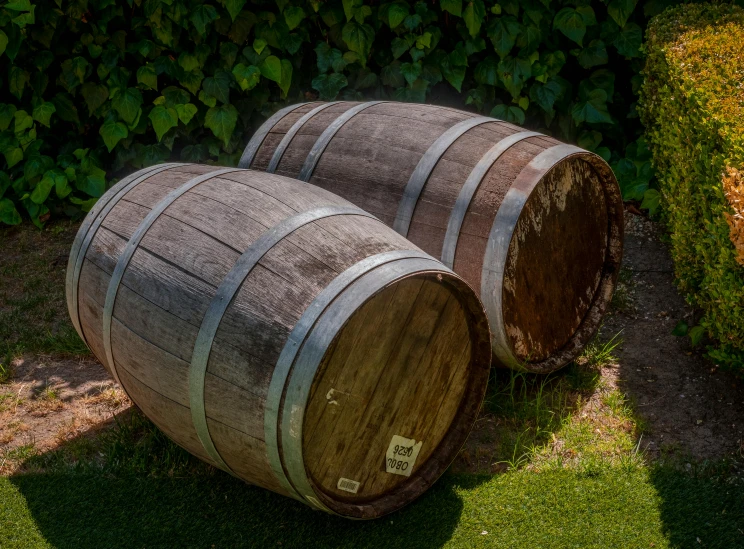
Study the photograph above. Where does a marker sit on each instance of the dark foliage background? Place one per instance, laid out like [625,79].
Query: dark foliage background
[96,87]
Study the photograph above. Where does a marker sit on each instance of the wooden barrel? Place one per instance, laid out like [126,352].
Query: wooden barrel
[533,224]
[281,334]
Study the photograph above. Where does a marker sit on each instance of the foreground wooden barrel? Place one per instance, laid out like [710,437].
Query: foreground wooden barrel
[533,224]
[276,331]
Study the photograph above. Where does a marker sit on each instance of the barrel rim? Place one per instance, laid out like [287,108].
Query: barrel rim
[310,357]
[497,255]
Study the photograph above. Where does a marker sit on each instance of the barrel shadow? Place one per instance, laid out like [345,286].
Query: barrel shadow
[197,506]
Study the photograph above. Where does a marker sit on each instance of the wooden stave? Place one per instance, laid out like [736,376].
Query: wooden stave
[362,511]
[504,354]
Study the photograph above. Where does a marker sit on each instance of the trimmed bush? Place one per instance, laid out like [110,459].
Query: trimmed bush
[693,109]
[91,87]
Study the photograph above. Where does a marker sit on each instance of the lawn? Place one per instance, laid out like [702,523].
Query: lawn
[574,459]
[603,507]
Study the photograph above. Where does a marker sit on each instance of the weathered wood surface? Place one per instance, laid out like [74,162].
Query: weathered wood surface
[422,336]
[555,280]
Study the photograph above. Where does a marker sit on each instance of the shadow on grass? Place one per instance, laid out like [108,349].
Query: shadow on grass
[128,485]
[700,508]
[93,510]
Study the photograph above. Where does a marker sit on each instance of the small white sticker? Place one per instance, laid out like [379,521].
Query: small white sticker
[348,485]
[401,455]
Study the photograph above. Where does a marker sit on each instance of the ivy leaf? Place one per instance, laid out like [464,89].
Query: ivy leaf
[286,80]
[628,41]
[218,86]
[594,54]
[233,7]
[6,115]
[163,119]
[474,13]
[13,156]
[186,112]
[411,71]
[127,104]
[620,10]
[651,201]
[95,95]
[22,121]
[92,185]
[221,120]
[19,5]
[17,80]
[42,189]
[247,77]
[147,76]
[43,113]
[503,32]
[680,330]
[259,44]
[8,213]
[571,23]
[328,85]
[696,335]
[293,16]
[486,72]
[514,71]
[452,6]
[66,109]
[202,16]
[546,95]
[508,114]
[3,42]
[113,132]
[271,68]
[397,12]
[592,108]
[358,38]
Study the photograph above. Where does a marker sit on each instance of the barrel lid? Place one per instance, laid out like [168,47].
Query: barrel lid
[560,231]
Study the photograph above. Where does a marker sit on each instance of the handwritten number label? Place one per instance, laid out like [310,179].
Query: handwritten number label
[401,455]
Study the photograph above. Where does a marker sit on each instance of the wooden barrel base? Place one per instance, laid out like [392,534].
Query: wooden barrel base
[391,402]
[562,263]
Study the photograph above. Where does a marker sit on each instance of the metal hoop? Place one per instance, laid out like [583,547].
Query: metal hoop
[221,301]
[314,347]
[292,346]
[254,144]
[499,239]
[325,138]
[425,166]
[88,230]
[128,252]
[287,139]
[457,216]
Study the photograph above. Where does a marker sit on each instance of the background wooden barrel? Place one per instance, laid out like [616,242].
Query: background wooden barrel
[533,224]
[276,331]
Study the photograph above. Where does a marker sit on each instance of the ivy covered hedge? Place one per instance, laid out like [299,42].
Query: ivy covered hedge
[91,87]
[693,108]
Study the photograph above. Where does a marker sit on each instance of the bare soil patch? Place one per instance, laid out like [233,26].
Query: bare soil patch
[50,402]
[689,405]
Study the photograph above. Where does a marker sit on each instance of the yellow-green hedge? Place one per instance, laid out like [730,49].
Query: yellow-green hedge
[693,109]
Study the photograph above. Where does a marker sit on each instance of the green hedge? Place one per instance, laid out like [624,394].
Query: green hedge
[91,87]
[693,109]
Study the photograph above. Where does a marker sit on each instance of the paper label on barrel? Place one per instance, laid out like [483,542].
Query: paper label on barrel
[401,455]
[348,485]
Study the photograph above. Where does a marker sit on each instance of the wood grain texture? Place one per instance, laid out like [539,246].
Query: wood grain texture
[173,277]
[371,158]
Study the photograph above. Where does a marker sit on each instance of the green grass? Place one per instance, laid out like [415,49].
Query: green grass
[607,507]
[33,311]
